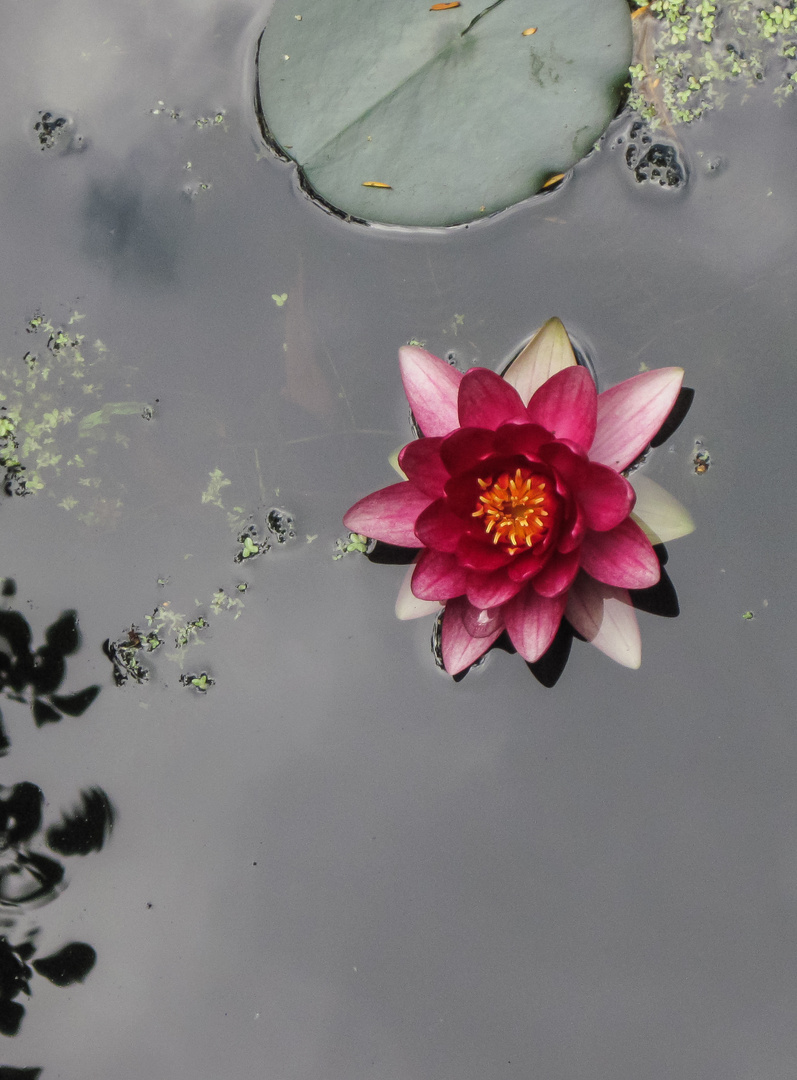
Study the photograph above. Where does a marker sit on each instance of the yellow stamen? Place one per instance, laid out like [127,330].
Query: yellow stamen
[514,509]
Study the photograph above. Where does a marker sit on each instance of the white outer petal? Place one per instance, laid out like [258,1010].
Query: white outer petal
[548,351]
[605,616]
[618,636]
[659,513]
[393,459]
[408,606]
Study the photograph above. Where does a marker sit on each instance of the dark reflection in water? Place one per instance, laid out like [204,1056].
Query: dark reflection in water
[126,231]
[29,876]
[35,677]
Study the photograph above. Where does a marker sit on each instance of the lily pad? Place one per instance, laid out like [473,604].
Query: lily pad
[399,114]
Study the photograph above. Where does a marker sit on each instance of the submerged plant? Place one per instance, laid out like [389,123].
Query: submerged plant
[517,499]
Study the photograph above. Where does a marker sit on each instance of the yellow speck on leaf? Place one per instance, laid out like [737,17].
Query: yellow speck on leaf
[376,183]
[531,30]
[444,7]
[553,180]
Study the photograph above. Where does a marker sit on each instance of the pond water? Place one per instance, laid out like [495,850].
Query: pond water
[336,863]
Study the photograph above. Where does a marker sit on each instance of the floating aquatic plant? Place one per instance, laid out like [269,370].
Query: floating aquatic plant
[517,501]
[398,113]
[685,50]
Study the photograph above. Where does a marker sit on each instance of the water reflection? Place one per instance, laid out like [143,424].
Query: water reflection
[30,878]
[129,233]
[30,875]
[35,677]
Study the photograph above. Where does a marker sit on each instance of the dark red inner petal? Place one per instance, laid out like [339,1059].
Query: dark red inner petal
[525,439]
[466,446]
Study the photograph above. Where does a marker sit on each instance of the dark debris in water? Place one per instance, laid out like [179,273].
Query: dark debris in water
[654,162]
[701,459]
[251,546]
[57,133]
[280,524]
[126,652]
[124,655]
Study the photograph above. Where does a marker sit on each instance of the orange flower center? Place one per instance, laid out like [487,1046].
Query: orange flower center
[516,510]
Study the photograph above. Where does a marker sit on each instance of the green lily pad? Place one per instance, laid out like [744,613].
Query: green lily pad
[453,114]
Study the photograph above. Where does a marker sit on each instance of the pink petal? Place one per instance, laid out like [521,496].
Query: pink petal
[438,576]
[532,621]
[438,528]
[623,556]
[487,401]
[558,574]
[605,616]
[605,497]
[631,413]
[420,461]
[567,406]
[408,606]
[389,514]
[431,386]
[548,352]
[659,513]
[460,646]
[486,590]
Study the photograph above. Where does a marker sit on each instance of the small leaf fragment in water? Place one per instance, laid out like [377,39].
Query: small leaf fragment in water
[200,682]
[250,548]
[354,542]
[376,183]
[553,180]
[445,7]
[531,30]
[279,298]
[748,615]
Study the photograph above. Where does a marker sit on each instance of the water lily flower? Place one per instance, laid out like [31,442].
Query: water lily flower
[517,499]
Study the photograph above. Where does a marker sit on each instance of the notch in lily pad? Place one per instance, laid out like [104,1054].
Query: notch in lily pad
[399,116]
